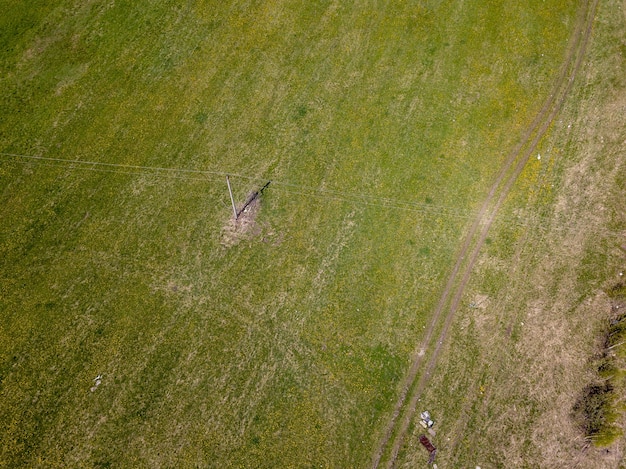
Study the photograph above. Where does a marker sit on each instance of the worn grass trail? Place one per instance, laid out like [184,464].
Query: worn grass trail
[476,236]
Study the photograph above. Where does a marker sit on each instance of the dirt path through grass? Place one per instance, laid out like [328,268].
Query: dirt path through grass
[413,387]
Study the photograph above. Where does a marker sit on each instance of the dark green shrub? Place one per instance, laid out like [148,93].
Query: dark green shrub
[618,291]
[593,408]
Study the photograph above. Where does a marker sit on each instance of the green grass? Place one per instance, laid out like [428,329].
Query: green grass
[523,370]
[285,350]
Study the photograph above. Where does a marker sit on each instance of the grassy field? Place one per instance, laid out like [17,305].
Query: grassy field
[281,343]
[528,336]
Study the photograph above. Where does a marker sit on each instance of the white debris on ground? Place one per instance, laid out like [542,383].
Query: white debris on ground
[425,419]
[97,382]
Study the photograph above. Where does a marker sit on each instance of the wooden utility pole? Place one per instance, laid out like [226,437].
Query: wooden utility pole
[232,199]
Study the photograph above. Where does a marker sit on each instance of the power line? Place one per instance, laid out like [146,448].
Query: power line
[292,188]
[297,189]
[66,161]
[109,171]
[188,173]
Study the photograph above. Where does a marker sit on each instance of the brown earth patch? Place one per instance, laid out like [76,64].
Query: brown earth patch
[245,227]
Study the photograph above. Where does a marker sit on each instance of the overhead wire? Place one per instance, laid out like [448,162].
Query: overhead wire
[289,187]
[138,169]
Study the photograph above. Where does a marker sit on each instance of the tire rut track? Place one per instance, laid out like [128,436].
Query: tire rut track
[398,425]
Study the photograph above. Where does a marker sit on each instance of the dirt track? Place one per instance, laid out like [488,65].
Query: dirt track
[389,446]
